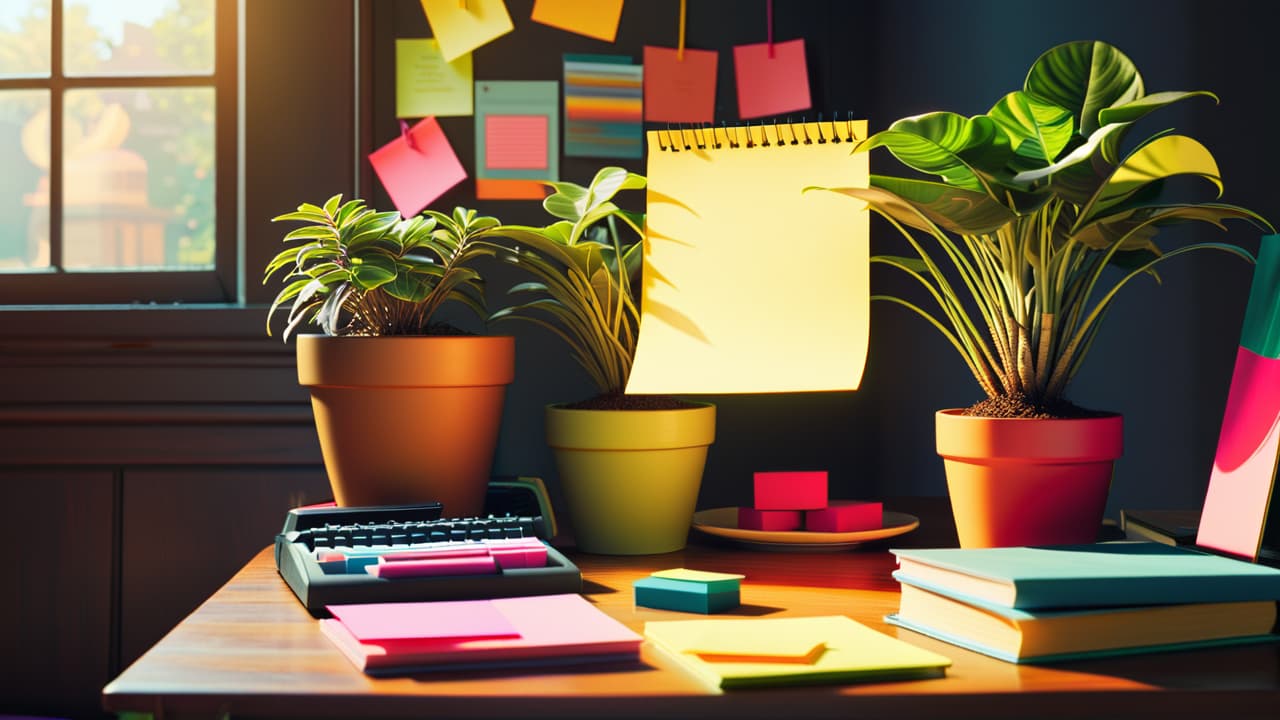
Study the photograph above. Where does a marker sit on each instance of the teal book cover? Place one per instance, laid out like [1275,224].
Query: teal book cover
[1102,574]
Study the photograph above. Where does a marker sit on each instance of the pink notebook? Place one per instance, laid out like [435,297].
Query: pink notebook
[557,628]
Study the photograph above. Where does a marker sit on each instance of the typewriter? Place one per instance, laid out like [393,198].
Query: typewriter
[331,555]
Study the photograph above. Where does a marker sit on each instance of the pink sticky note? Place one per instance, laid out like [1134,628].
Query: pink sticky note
[1244,468]
[424,620]
[678,90]
[417,176]
[515,142]
[771,85]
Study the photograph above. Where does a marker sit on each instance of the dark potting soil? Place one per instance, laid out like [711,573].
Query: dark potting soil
[1019,406]
[619,401]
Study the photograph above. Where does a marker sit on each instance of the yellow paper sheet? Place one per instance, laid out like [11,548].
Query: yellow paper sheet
[695,575]
[750,284]
[427,85]
[593,18]
[853,651]
[461,27]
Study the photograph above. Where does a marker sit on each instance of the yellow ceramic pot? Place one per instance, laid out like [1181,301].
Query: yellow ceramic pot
[631,477]
[408,419]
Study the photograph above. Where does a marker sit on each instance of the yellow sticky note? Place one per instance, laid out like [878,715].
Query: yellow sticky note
[427,85]
[593,18]
[769,648]
[851,651]
[695,575]
[461,27]
[727,218]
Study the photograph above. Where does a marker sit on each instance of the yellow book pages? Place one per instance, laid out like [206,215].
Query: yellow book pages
[695,575]
[750,283]
[852,652]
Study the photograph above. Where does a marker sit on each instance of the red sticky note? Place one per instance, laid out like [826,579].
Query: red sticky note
[791,490]
[416,176]
[845,516]
[753,519]
[771,85]
[678,90]
[436,620]
[515,142]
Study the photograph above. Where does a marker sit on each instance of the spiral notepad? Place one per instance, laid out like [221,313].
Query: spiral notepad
[751,284]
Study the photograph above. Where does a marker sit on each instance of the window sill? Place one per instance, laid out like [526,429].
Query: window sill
[78,322]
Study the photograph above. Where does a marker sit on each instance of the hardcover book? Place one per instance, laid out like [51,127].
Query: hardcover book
[1039,636]
[1095,575]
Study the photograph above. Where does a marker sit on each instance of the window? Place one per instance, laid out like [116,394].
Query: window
[117,135]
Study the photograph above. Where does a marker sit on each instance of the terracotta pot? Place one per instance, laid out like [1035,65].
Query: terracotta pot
[631,477]
[408,419]
[1028,482]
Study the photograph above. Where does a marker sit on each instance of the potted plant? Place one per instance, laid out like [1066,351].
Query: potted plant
[630,466]
[407,408]
[1040,217]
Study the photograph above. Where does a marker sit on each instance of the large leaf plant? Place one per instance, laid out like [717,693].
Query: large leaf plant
[586,269]
[355,271]
[1038,218]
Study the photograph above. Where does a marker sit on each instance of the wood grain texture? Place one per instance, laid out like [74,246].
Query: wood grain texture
[252,650]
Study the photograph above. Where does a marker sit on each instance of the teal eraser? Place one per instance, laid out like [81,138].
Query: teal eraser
[683,596]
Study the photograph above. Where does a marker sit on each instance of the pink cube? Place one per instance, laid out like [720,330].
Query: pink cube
[753,519]
[791,490]
[845,516]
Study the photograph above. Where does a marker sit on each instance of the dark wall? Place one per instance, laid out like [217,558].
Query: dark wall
[1164,357]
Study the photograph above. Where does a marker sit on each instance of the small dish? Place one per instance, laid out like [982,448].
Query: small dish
[723,523]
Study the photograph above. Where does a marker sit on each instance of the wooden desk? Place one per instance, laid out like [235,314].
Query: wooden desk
[251,650]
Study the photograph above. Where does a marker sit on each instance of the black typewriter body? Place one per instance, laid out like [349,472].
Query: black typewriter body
[370,530]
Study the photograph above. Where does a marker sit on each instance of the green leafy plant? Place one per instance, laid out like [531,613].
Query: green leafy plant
[586,271]
[1038,217]
[355,271]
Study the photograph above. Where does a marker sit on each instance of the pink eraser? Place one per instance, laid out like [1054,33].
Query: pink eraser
[474,565]
[791,490]
[845,516]
[437,553]
[753,519]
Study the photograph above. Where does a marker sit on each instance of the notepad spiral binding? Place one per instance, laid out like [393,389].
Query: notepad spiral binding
[776,134]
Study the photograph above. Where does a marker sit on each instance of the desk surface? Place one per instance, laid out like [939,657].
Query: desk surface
[252,650]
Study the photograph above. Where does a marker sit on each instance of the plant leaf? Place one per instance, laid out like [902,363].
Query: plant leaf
[1085,77]
[373,271]
[1038,131]
[951,146]
[961,211]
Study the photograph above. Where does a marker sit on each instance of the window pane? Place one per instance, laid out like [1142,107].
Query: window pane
[24,186]
[138,179]
[24,38]
[138,37]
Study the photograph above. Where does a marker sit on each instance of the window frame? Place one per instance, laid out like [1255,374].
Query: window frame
[223,283]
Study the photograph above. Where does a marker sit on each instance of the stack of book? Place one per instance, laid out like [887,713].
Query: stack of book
[1044,604]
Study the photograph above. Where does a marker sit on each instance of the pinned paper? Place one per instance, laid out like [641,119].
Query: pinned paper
[593,18]
[461,27]
[773,78]
[515,142]
[679,90]
[417,167]
[603,106]
[709,225]
[517,138]
[427,85]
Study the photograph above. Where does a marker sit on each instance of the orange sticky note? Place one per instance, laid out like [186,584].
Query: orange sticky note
[593,18]
[463,27]
[679,90]
[417,176]
[771,85]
